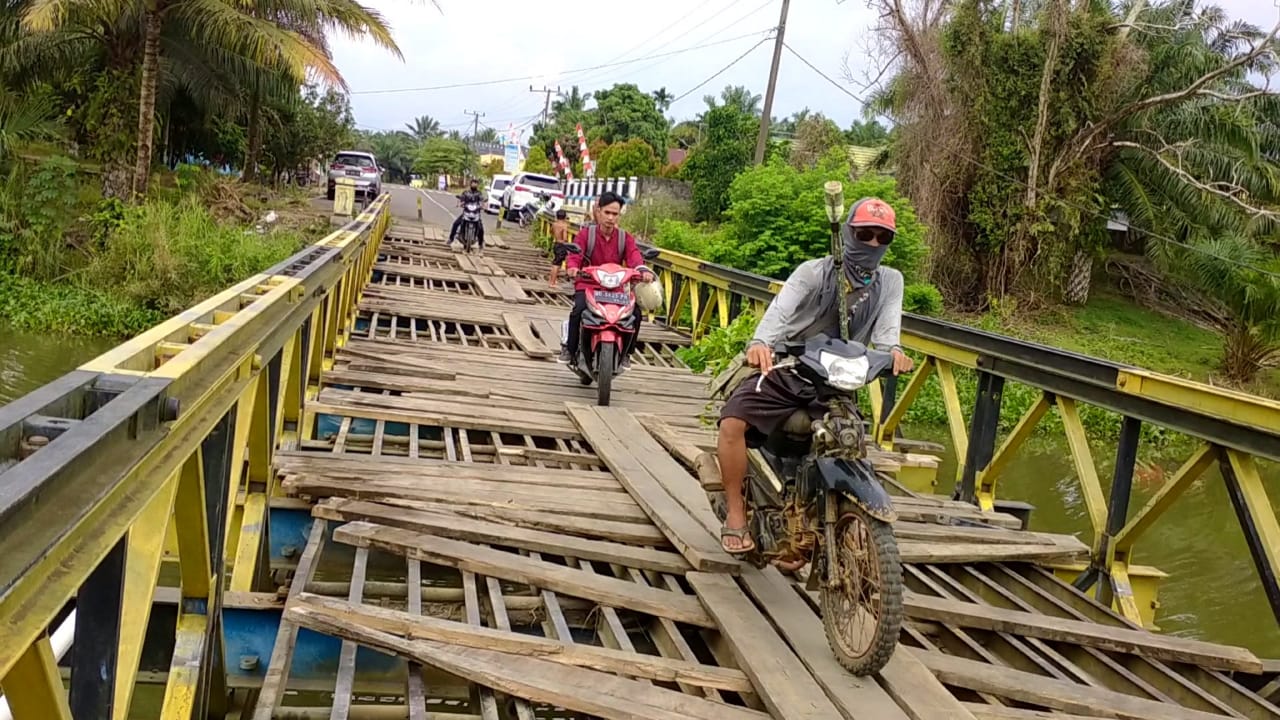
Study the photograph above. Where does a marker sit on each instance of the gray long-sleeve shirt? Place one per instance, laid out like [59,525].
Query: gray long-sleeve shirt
[806,306]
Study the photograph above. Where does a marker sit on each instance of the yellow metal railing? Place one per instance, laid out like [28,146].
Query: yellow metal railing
[1234,429]
[170,434]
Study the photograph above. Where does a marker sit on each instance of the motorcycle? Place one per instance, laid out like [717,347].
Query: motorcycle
[608,323]
[528,213]
[831,508]
[470,230]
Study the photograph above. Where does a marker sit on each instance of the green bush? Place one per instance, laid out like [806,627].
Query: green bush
[922,299]
[777,218]
[166,257]
[38,206]
[714,351]
[645,217]
[64,308]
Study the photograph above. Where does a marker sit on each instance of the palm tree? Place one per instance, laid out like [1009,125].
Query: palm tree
[486,135]
[738,96]
[573,102]
[663,98]
[424,127]
[238,29]
[24,118]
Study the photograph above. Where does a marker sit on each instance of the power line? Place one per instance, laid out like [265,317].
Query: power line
[1087,210]
[826,77]
[705,38]
[719,72]
[526,78]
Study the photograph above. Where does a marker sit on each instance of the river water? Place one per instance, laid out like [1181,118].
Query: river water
[1213,592]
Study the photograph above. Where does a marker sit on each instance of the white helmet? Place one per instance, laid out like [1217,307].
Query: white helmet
[649,295]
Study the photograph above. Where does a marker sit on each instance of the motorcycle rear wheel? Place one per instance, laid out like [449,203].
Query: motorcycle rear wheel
[862,614]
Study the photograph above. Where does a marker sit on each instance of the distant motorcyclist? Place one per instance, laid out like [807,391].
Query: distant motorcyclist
[471,195]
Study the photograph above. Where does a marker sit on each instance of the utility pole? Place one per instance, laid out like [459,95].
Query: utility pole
[546,108]
[762,140]
[475,129]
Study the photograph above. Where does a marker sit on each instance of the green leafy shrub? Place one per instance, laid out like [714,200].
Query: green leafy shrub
[37,207]
[922,299]
[65,308]
[166,257]
[777,218]
[714,351]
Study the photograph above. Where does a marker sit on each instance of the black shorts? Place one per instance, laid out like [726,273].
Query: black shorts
[559,253]
[780,394]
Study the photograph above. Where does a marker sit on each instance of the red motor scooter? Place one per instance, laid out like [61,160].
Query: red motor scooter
[608,324]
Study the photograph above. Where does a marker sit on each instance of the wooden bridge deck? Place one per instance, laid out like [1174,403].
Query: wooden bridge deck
[530,555]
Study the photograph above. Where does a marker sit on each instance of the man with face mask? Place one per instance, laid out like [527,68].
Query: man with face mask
[805,307]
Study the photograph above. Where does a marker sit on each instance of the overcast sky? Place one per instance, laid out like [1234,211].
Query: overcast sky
[556,40]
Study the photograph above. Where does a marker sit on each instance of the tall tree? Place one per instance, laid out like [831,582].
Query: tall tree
[238,28]
[424,127]
[663,98]
[735,96]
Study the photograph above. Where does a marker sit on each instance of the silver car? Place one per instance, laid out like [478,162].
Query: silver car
[362,167]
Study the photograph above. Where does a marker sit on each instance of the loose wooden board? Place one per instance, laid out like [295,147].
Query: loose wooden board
[624,532]
[685,532]
[782,682]
[520,330]
[413,627]
[480,531]
[600,694]
[1049,692]
[1139,642]
[938,553]
[518,568]
[855,697]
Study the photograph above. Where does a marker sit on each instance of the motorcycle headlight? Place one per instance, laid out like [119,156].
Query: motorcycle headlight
[845,373]
[608,279]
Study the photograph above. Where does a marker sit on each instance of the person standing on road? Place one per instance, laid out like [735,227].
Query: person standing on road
[560,245]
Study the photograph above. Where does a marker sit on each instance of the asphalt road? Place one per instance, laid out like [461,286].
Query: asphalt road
[438,208]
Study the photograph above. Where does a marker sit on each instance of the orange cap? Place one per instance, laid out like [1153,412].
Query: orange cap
[873,212]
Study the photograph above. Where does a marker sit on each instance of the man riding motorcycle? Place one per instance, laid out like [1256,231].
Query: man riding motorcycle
[612,245]
[805,307]
[471,195]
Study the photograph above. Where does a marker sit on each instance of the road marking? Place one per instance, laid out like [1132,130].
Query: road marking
[427,195]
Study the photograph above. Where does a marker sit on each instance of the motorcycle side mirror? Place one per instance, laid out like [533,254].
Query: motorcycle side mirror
[651,253]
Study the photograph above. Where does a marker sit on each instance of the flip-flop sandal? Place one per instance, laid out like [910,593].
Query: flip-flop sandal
[743,534]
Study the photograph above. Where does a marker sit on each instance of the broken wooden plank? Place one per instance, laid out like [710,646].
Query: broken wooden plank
[277,673]
[1049,692]
[517,568]
[584,503]
[624,532]
[519,328]
[676,521]
[703,463]
[781,680]
[926,552]
[1045,627]
[510,290]
[412,627]
[854,696]
[983,711]
[597,693]
[480,531]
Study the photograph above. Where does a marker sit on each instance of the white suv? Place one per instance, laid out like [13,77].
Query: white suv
[526,187]
[493,200]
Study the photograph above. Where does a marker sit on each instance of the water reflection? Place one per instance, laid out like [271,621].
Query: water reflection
[1213,592]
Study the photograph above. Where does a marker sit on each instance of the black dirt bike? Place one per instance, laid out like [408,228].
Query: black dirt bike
[831,509]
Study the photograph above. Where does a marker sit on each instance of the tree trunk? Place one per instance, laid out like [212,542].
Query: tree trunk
[254,132]
[147,100]
[1078,280]
[1058,24]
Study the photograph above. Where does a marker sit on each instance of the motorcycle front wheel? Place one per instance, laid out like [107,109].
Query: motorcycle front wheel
[606,355]
[862,592]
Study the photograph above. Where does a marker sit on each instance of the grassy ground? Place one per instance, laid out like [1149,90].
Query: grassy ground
[1114,328]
